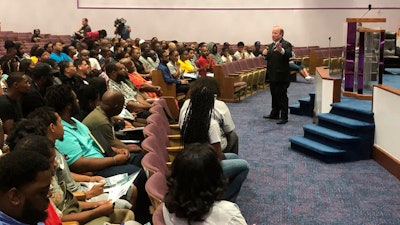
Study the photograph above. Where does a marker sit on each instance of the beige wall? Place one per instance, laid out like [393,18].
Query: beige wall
[303,26]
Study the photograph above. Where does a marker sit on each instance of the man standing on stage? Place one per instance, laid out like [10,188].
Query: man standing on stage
[277,56]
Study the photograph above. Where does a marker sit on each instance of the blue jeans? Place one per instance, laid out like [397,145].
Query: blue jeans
[236,171]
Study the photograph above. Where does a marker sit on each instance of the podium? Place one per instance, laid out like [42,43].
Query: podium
[364,54]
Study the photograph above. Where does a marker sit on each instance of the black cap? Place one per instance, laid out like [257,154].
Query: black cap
[257,43]
[43,69]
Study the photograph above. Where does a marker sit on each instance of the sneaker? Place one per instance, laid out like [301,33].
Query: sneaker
[309,78]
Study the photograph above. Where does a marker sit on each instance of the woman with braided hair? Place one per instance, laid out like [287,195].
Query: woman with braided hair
[197,199]
[198,125]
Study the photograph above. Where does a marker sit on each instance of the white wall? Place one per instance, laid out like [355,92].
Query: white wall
[386,108]
[306,22]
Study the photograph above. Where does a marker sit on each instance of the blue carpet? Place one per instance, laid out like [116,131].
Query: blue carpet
[393,70]
[287,187]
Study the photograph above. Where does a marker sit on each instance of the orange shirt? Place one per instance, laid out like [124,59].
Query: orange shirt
[138,81]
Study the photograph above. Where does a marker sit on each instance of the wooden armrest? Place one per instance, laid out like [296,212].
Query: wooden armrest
[174,126]
[234,74]
[70,223]
[81,196]
[175,148]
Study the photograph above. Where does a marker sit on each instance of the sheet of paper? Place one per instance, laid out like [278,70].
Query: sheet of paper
[118,190]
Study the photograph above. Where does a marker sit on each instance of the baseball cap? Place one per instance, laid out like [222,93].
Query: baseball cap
[43,69]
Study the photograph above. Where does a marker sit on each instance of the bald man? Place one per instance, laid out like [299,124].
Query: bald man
[99,120]
[278,54]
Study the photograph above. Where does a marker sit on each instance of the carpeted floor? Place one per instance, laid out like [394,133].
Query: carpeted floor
[287,187]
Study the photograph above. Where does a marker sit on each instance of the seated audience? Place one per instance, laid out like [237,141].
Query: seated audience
[69,208]
[45,122]
[213,51]
[221,113]
[8,62]
[198,199]
[82,69]
[173,65]
[89,98]
[182,85]
[226,57]
[68,75]
[81,151]
[83,154]
[198,125]
[257,49]
[57,54]
[145,87]
[36,37]
[134,102]
[100,119]
[10,103]
[299,68]
[24,187]
[42,78]
[205,63]
[185,65]
[140,67]
[241,52]
[153,60]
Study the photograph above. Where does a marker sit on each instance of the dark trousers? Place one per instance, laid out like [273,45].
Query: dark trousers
[280,101]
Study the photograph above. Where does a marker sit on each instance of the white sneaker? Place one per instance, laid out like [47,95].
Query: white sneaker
[309,78]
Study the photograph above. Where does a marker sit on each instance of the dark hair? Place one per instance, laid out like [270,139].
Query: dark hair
[111,66]
[58,97]
[36,143]
[23,128]
[86,94]
[240,43]
[63,65]
[209,82]
[39,52]
[46,115]
[79,62]
[14,77]
[45,46]
[18,169]
[195,183]
[24,66]
[34,48]
[99,83]
[198,115]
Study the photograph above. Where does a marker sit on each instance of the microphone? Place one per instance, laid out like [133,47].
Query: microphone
[329,55]
[369,9]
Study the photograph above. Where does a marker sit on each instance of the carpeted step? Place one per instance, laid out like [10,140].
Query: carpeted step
[359,110]
[314,146]
[329,134]
[295,109]
[306,106]
[305,100]
[336,121]
[331,137]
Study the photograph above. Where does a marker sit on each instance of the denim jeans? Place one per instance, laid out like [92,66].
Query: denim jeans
[236,171]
